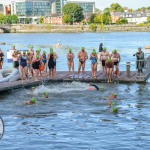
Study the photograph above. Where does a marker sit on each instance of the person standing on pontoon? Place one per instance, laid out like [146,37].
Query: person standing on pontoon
[82,56]
[70,58]
[103,57]
[1,58]
[93,58]
[52,56]
[140,60]
[116,59]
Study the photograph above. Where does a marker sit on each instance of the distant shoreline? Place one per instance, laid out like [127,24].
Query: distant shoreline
[47,28]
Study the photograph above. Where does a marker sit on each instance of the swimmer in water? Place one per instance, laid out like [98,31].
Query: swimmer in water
[92,87]
[113,96]
[31,102]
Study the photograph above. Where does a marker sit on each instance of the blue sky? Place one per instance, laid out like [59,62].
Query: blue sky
[101,4]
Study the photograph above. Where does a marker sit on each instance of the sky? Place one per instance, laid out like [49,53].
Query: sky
[101,4]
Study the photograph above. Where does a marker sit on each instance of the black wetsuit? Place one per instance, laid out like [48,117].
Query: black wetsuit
[97,88]
[51,62]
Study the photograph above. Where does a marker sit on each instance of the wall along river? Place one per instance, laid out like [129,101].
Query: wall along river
[73,118]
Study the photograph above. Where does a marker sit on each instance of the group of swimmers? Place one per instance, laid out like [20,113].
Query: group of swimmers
[36,62]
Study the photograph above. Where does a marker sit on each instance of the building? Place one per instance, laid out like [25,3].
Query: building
[88,7]
[1,9]
[7,9]
[54,19]
[132,17]
[36,8]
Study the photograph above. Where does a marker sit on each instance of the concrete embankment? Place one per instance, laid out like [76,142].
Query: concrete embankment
[47,28]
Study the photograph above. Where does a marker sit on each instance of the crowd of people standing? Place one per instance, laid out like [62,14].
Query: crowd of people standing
[37,63]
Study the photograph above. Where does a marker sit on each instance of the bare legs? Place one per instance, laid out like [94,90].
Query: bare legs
[24,70]
[94,70]
[52,73]
[79,67]
[36,72]
[109,74]
[71,66]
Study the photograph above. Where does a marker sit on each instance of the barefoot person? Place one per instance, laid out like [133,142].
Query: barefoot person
[15,57]
[35,66]
[31,51]
[109,64]
[51,63]
[1,58]
[44,60]
[23,65]
[82,56]
[70,57]
[103,57]
[116,59]
[94,58]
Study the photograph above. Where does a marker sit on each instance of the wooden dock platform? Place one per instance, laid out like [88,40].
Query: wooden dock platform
[63,76]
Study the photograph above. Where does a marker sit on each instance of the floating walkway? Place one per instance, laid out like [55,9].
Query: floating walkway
[63,76]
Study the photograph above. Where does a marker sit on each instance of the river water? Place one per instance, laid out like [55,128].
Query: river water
[73,118]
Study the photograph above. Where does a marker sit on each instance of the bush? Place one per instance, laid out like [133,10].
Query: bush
[93,27]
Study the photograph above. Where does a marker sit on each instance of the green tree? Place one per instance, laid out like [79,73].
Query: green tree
[122,21]
[41,20]
[116,7]
[66,18]
[107,19]
[1,18]
[93,27]
[107,16]
[98,19]
[74,11]
[91,19]
[148,19]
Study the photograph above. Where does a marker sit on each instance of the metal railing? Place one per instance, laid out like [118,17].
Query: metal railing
[142,67]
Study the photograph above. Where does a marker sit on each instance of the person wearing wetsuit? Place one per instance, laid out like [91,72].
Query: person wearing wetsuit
[23,65]
[101,47]
[82,56]
[1,58]
[92,87]
[51,63]
[35,66]
[93,58]
[103,57]
[116,59]
[109,64]
[70,58]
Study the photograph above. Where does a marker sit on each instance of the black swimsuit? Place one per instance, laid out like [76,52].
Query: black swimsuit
[35,64]
[51,62]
